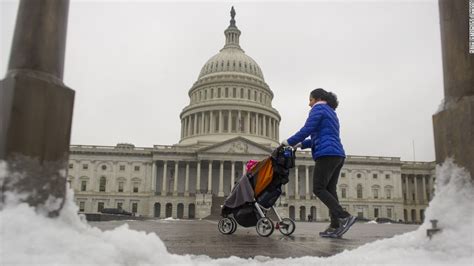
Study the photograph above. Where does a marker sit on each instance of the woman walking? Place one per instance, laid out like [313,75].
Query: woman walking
[322,128]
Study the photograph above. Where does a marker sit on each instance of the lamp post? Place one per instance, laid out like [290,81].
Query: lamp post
[36,107]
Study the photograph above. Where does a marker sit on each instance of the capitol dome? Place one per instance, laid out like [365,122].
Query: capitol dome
[230,98]
[231,60]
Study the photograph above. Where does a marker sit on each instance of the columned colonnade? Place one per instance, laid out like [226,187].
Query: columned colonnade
[229,121]
[194,180]
[415,193]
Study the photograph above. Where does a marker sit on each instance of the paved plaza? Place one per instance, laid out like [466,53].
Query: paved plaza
[201,237]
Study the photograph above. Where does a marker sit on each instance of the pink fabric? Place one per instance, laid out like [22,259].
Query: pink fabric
[250,164]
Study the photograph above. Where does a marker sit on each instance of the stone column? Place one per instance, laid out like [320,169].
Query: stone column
[221,122]
[175,184]
[248,123]
[186,181]
[243,167]
[206,123]
[297,192]
[221,179]
[453,125]
[153,177]
[189,125]
[229,121]
[195,124]
[211,122]
[264,120]
[308,196]
[232,175]
[423,186]
[416,189]
[209,179]
[36,107]
[271,128]
[198,177]
[239,122]
[202,123]
[163,187]
[257,126]
[406,189]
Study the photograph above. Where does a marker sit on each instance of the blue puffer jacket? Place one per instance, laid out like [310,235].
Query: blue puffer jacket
[322,126]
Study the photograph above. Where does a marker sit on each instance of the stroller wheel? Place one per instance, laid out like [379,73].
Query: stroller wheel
[226,226]
[234,223]
[286,226]
[265,227]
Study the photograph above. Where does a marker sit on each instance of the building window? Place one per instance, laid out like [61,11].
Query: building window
[360,214]
[119,205]
[122,167]
[405,196]
[218,92]
[137,168]
[104,167]
[389,193]
[343,174]
[343,192]
[376,193]
[376,212]
[135,187]
[71,166]
[374,176]
[134,207]
[359,191]
[389,212]
[234,92]
[226,92]
[241,93]
[85,166]
[120,186]
[212,94]
[413,196]
[359,175]
[82,205]
[102,183]
[248,94]
[83,185]
[100,206]
[387,176]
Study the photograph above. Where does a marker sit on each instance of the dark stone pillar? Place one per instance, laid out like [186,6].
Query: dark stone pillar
[454,125]
[36,107]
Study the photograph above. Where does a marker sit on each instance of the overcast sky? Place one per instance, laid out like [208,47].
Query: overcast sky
[131,64]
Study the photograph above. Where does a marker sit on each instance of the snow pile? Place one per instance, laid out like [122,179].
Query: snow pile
[31,238]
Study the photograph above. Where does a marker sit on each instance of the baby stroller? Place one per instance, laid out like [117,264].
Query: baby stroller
[256,192]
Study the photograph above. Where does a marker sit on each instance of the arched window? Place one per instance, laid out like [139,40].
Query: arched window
[102,184]
[359,191]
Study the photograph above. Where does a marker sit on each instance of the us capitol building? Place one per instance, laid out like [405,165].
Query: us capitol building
[230,120]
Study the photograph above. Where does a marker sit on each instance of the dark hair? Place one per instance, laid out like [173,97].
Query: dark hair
[329,97]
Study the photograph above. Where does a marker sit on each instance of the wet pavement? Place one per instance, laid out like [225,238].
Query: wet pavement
[201,237]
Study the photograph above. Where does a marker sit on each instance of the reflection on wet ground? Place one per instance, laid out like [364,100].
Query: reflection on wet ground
[201,237]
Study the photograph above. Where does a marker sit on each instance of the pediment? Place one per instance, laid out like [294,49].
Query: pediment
[238,145]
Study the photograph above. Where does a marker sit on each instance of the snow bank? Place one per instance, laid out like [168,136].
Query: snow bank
[31,238]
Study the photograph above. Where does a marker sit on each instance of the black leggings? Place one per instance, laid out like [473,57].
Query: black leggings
[325,177]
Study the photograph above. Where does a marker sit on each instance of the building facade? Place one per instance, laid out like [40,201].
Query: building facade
[230,120]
